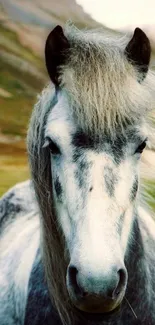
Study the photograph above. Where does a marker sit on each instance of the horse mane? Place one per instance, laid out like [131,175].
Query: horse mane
[101,83]
[102,88]
[52,244]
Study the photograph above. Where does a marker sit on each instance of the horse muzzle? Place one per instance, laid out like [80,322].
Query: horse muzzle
[96,293]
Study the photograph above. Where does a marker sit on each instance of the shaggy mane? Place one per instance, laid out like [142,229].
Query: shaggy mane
[100,82]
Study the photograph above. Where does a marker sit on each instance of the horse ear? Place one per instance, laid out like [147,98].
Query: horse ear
[138,51]
[55,53]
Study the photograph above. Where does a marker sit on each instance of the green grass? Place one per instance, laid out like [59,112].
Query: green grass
[22,86]
[150,190]
[16,110]
[12,176]
[13,165]
[15,114]
[17,81]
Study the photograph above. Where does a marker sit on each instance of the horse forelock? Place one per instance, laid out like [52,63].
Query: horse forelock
[101,84]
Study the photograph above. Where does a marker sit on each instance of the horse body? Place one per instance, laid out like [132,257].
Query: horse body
[80,250]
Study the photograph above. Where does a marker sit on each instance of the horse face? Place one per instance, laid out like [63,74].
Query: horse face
[95,183]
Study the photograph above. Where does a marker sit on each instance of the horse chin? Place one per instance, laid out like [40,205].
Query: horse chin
[95,316]
[107,308]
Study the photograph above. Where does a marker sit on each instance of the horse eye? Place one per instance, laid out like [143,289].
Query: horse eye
[141,147]
[54,148]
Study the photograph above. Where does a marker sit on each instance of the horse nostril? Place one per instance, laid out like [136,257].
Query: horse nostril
[121,283]
[72,272]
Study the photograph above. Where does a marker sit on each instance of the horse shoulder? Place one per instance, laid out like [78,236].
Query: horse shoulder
[19,200]
[19,240]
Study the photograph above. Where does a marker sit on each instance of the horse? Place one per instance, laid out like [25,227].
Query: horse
[77,242]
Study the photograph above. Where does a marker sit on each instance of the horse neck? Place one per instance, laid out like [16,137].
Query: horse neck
[135,250]
[139,280]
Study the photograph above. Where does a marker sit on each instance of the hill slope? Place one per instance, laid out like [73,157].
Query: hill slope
[24,26]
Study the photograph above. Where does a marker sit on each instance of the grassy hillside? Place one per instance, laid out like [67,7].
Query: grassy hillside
[22,76]
[23,30]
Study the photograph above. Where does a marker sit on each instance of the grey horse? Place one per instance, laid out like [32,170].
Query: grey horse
[77,243]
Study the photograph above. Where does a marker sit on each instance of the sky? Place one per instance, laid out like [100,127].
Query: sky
[121,14]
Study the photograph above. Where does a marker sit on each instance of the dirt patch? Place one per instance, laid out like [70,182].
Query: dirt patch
[5,93]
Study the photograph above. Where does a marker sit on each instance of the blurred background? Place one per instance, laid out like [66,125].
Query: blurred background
[24,26]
